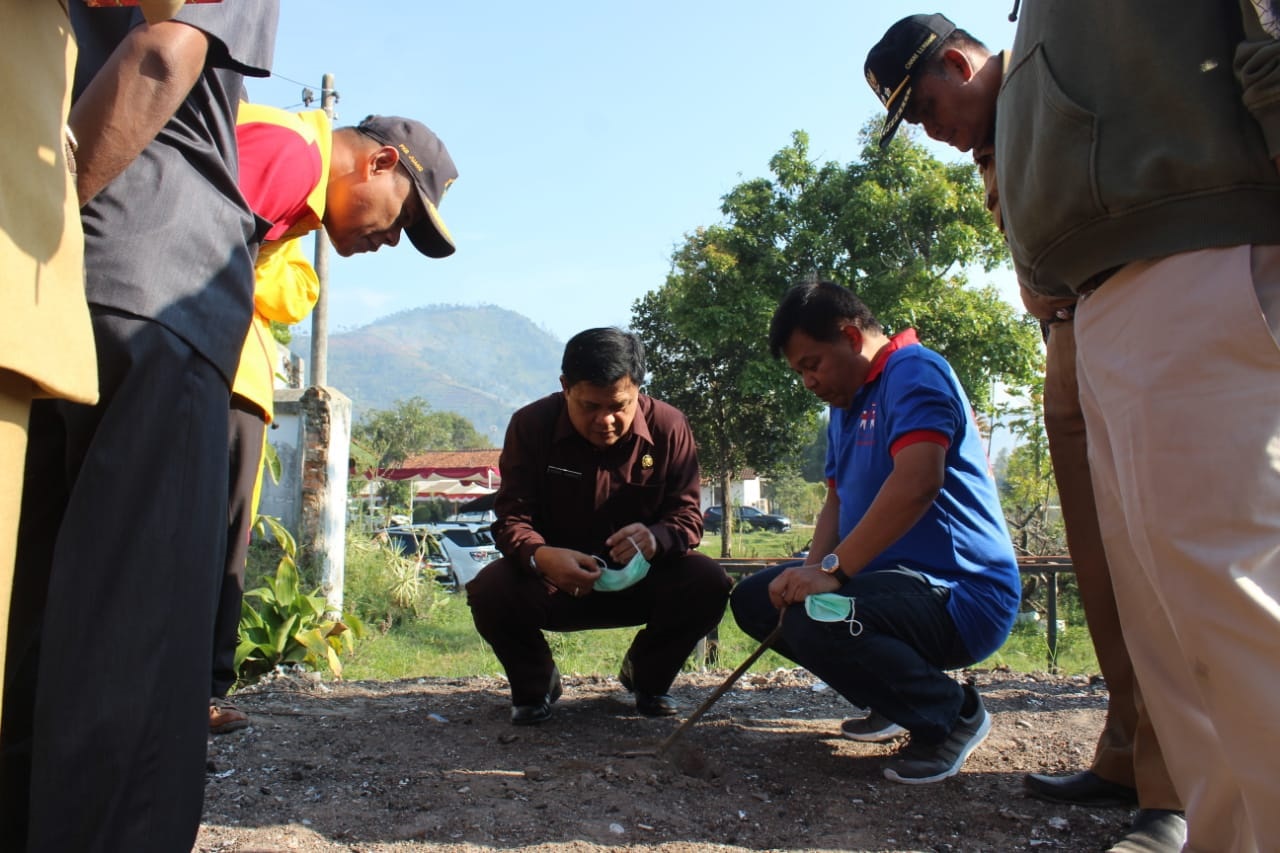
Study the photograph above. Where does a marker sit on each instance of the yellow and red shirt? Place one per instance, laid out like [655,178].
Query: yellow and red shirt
[284,172]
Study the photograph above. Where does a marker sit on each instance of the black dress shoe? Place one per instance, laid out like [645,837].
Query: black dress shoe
[1153,831]
[539,712]
[649,704]
[1085,788]
[656,705]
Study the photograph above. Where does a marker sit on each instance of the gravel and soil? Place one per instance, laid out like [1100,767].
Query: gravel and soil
[434,764]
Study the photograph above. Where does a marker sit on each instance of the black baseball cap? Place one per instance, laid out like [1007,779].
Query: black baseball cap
[893,62]
[430,168]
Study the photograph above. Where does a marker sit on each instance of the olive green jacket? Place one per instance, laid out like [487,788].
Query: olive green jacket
[1139,129]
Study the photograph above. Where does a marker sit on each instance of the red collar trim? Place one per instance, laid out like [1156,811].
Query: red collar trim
[905,338]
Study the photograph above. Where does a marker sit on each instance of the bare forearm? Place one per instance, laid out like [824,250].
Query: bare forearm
[131,98]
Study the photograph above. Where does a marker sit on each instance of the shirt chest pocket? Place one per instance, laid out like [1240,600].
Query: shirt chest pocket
[573,496]
[632,502]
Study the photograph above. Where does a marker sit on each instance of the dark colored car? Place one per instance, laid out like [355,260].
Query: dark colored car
[747,517]
[433,562]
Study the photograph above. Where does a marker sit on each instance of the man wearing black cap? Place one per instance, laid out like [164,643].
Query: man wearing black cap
[951,90]
[365,184]
[1137,150]
[368,199]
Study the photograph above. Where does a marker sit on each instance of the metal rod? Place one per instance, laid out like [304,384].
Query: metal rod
[723,688]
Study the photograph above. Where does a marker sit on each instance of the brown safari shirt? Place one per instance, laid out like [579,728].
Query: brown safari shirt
[560,490]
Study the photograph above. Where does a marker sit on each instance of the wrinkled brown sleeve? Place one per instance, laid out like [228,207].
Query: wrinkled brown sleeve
[678,528]
[517,498]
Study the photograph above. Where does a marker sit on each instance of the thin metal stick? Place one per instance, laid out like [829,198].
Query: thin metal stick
[723,688]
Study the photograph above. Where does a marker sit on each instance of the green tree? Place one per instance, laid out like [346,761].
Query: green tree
[793,496]
[900,228]
[897,226]
[708,358]
[1028,492]
[390,436]
[813,458]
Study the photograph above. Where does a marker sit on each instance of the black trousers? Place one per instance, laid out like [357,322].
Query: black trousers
[678,602]
[892,661]
[120,547]
[246,429]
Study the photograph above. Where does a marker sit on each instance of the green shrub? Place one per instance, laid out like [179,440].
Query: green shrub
[288,626]
[383,587]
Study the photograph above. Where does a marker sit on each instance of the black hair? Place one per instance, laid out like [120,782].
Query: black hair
[602,356]
[818,308]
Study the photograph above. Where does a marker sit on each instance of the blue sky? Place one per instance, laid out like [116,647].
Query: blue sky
[589,137]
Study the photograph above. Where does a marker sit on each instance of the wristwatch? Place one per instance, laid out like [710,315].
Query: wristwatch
[831,565]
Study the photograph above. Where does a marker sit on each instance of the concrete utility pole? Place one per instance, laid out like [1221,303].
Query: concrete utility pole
[320,315]
[325,437]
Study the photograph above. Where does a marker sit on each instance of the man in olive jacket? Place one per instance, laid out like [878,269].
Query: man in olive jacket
[1135,152]
[951,82]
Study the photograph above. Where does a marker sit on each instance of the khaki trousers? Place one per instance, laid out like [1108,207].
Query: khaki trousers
[1128,751]
[1180,385]
[15,409]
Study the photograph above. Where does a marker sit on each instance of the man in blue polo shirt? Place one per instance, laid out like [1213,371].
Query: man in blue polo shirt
[915,572]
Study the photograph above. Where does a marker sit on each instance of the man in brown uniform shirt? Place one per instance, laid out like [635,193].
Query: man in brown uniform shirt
[597,470]
[928,72]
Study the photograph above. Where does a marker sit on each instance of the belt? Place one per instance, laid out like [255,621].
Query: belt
[1095,281]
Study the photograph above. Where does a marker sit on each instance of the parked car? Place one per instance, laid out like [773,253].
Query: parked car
[410,541]
[452,554]
[746,516]
[479,518]
[469,549]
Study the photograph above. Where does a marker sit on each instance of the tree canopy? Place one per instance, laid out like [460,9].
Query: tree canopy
[898,226]
[387,437]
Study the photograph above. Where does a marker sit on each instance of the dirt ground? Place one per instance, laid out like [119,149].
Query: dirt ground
[434,764]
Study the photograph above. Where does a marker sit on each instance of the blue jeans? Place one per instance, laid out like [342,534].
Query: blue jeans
[894,666]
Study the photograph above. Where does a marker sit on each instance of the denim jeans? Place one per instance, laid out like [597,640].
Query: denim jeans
[894,665]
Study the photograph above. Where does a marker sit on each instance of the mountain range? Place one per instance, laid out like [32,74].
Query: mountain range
[481,362]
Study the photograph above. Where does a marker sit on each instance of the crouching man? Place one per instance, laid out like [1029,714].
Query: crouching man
[911,570]
[597,475]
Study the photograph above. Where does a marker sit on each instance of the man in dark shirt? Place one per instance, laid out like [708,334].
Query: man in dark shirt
[123,522]
[597,473]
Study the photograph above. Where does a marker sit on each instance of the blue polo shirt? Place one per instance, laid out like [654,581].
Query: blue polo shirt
[912,394]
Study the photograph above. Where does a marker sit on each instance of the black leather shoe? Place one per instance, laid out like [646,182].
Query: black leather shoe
[1085,788]
[540,712]
[649,704]
[656,705]
[1153,831]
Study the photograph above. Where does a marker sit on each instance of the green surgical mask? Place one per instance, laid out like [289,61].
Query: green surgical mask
[832,607]
[612,580]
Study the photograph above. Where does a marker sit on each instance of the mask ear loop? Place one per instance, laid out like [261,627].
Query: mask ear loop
[600,561]
[852,620]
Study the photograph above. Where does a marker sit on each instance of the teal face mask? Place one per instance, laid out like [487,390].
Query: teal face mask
[833,607]
[612,580]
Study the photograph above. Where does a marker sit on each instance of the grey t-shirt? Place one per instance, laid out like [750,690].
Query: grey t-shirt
[172,238]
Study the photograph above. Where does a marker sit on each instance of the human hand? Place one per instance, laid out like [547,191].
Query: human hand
[797,583]
[625,542]
[571,572]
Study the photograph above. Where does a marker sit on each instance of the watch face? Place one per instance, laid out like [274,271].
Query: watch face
[830,563]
